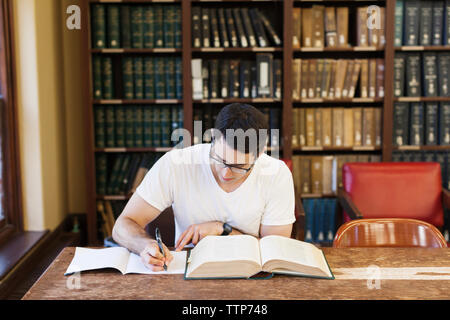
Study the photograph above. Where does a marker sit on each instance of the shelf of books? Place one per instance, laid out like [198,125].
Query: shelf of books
[325,73]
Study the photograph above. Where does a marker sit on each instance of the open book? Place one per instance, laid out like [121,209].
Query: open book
[121,259]
[244,256]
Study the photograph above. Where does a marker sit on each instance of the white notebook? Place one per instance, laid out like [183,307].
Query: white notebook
[121,259]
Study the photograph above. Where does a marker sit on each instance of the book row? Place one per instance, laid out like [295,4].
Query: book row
[140,26]
[426,74]
[418,123]
[224,78]
[130,126]
[336,127]
[121,174]
[422,22]
[322,26]
[232,27]
[337,79]
[320,220]
[443,158]
[137,78]
[322,175]
[107,213]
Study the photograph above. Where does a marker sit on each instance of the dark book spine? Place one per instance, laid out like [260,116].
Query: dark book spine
[426,22]
[107,78]
[170,77]
[97,77]
[101,167]
[121,174]
[120,126]
[177,27]
[248,27]
[416,132]
[215,28]
[205,79]
[412,23]
[240,28]
[159,26]
[444,124]
[264,75]
[231,28]
[277,78]
[99,113]
[169,27]
[138,76]
[129,127]
[149,78]
[438,22]
[147,123]
[206,32]
[178,78]
[309,219]
[274,124]
[234,78]
[401,116]
[225,79]
[165,126]
[174,123]
[430,74]
[399,75]
[160,84]
[270,30]
[137,26]
[223,27]
[431,123]
[259,28]
[156,126]
[214,78]
[138,127]
[98,26]
[110,127]
[196,27]
[398,23]
[447,23]
[125,26]
[113,25]
[149,27]
[244,79]
[444,74]
[413,77]
[127,78]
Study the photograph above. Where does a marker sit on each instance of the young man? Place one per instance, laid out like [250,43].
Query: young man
[227,187]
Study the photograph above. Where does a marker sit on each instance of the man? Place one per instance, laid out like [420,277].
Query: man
[228,187]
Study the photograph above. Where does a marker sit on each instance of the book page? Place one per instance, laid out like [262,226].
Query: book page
[221,249]
[286,249]
[91,259]
[177,266]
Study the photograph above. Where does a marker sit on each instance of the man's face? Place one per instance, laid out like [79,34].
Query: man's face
[222,154]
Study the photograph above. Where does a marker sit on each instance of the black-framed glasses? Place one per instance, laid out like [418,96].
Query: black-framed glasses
[234,168]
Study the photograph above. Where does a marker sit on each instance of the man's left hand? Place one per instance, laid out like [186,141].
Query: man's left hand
[197,232]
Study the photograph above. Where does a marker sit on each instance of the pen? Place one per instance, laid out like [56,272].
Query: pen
[158,239]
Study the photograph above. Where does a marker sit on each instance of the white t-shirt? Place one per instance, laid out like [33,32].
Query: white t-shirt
[183,179]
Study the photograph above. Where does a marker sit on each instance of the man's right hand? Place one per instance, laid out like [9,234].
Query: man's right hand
[152,257]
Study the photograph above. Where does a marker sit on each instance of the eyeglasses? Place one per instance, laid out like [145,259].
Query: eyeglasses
[234,168]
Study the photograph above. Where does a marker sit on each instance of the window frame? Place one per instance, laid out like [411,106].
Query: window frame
[12,188]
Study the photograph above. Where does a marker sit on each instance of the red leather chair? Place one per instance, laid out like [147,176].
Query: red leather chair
[394,190]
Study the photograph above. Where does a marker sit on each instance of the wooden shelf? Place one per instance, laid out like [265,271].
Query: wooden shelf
[346,100]
[124,150]
[317,195]
[340,49]
[422,48]
[337,149]
[143,101]
[421,148]
[422,99]
[238,100]
[253,49]
[113,197]
[134,1]
[137,51]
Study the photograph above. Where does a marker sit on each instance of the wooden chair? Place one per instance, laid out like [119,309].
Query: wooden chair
[395,232]
[394,190]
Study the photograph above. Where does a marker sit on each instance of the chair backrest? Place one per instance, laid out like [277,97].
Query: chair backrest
[396,190]
[166,224]
[393,232]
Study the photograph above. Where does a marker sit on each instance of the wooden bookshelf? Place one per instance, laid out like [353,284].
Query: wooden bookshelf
[286,52]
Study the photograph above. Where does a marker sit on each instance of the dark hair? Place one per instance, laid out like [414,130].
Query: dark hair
[242,116]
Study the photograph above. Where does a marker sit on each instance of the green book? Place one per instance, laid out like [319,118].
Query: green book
[97,77]
[178,79]
[121,174]
[107,78]
[120,126]
[169,27]
[98,26]
[99,113]
[160,85]
[398,23]
[114,173]
[156,126]
[138,76]
[125,26]
[100,173]
[159,31]
[137,27]
[169,64]
[147,124]
[110,127]
[176,122]
[165,126]
[127,78]
[138,127]
[149,78]
[113,26]
[129,127]
[149,27]
[177,27]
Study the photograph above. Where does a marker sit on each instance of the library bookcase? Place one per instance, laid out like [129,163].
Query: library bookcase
[282,13]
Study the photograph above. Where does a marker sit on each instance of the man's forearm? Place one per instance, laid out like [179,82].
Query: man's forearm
[130,235]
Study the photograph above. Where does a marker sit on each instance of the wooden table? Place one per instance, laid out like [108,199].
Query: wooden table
[349,283]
